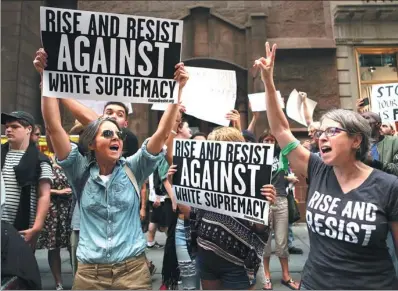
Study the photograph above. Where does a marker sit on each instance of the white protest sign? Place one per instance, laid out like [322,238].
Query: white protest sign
[257,101]
[98,106]
[295,110]
[208,95]
[110,57]
[223,177]
[385,101]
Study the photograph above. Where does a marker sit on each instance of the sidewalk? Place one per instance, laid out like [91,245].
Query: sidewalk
[296,263]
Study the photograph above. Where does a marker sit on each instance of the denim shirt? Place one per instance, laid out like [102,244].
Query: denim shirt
[110,226]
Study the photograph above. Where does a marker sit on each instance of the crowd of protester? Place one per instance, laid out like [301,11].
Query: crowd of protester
[98,197]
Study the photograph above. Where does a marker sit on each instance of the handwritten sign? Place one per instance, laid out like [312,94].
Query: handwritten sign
[295,110]
[257,101]
[208,95]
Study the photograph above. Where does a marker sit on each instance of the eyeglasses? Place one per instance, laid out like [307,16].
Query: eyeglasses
[329,132]
[107,133]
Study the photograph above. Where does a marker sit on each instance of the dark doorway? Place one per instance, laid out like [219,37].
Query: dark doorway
[241,95]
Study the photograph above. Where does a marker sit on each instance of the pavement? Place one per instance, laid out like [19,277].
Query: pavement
[296,263]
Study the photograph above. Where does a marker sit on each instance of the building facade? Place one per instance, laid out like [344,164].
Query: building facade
[325,48]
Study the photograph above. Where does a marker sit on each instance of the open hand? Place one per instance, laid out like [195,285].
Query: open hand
[266,65]
[233,115]
[269,192]
[40,61]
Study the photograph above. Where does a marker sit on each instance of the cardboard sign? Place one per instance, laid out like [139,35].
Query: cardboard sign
[257,101]
[110,57]
[385,101]
[223,177]
[208,95]
[295,110]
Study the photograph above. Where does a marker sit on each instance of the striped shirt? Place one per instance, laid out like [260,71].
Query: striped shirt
[13,190]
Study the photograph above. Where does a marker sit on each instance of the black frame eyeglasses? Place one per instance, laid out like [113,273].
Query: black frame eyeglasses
[109,134]
[329,132]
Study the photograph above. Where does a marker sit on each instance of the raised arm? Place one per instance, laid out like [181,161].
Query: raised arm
[82,113]
[307,115]
[299,157]
[158,139]
[52,117]
[252,124]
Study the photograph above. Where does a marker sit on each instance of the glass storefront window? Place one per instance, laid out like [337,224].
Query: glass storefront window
[375,65]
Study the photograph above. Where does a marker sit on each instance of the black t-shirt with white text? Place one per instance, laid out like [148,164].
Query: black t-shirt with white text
[348,231]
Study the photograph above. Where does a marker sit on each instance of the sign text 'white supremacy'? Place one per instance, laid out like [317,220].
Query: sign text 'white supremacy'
[223,177]
[110,57]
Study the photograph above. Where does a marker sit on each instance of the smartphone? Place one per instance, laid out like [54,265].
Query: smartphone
[365,101]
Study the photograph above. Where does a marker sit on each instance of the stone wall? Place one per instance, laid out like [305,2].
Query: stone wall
[20,39]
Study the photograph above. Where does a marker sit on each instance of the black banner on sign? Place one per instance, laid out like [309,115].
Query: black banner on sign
[223,177]
[103,56]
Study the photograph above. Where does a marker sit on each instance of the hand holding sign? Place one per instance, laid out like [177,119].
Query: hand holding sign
[40,61]
[269,192]
[181,76]
[267,64]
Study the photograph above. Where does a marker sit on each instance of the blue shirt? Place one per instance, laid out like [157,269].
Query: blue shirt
[110,227]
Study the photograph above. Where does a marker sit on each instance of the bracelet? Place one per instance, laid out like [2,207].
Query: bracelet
[173,132]
[283,161]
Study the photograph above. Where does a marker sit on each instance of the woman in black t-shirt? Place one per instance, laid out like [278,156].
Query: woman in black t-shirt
[350,205]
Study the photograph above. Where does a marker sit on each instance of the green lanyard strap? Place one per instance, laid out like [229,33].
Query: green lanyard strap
[283,161]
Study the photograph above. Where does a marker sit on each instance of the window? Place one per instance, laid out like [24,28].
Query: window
[375,66]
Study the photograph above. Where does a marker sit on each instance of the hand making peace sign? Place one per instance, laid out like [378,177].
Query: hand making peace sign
[266,65]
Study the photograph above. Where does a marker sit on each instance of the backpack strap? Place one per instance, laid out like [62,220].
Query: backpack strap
[133,180]
[81,183]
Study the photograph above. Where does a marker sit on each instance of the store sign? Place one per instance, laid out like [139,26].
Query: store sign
[385,101]
[42,143]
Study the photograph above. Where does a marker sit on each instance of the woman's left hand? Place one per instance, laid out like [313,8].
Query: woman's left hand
[171,172]
[269,192]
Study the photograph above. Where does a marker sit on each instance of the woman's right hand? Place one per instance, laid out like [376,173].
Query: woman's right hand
[266,65]
[269,192]
[66,191]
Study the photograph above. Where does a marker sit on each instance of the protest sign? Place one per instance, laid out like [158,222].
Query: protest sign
[295,110]
[208,95]
[98,106]
[385,101]
[257,101]
[223,177]
[110,57]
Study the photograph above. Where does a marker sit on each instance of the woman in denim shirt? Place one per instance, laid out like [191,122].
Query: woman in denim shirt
[111,246]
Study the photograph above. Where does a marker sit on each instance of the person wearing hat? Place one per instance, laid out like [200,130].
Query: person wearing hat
[27,175]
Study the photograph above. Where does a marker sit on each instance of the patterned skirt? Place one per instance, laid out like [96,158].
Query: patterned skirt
[56,231]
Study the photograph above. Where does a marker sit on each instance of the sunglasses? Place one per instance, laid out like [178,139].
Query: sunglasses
[109,134]
[329,132]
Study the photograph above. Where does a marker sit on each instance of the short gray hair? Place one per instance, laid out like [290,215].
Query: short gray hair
[87,137]
[354,124]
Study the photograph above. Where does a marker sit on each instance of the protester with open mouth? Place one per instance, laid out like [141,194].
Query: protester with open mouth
[111,250]
[350,205]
